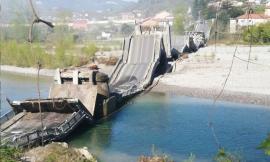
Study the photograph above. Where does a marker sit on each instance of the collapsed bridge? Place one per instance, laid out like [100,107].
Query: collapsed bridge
[198,37]
[143,58]
[85,95]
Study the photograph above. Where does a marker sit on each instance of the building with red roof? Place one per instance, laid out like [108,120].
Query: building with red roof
[81,24]
[250,19]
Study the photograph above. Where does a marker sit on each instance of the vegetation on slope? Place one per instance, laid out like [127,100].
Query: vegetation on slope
[10,154]
[54,152]
[265,145]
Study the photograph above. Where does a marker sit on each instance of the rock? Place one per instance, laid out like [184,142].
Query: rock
[154,159]
[84,151]
[58,152]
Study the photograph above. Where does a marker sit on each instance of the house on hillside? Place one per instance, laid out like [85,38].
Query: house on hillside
[164,17]
[237,3]
[159,20]
[127,16]
[256,2]
[104,36]
[250,19]
[80,24]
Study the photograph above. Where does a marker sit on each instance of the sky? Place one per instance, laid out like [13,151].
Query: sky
[131,0]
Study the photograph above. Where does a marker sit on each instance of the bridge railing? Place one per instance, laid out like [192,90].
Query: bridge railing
[49,134]
[7,116]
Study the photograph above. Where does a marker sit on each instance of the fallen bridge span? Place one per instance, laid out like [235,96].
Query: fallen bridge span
[143,57]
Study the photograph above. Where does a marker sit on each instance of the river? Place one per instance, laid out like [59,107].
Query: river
[18,87]
[157,123]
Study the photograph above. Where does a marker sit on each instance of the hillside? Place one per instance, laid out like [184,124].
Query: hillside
[150,7]
[95,8]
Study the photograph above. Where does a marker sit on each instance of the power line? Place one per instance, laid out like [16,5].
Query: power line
[225,83]
[255,63]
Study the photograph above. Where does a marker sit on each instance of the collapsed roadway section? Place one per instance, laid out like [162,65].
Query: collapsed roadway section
[144,57]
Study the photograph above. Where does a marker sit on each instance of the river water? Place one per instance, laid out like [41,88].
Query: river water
[156,123]
[19,87]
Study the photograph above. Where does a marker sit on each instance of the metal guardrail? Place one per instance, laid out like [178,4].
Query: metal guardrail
[51,133]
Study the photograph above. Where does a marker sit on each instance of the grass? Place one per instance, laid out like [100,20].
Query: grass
[64,54]
[10,154]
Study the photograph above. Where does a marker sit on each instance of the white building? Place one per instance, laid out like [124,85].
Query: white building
[164,17]
[237,3]
[267,9]
[250,19]
[160,19]
[106,36]
[257,2]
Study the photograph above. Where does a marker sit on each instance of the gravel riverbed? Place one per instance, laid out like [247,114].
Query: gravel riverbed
[203,75]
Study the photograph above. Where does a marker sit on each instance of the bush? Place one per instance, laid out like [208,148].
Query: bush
[265,145]
[224,156]
[23,54]
[28,55]
[89,50]
[260,34]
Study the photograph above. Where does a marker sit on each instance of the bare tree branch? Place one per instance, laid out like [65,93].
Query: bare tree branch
[36,19]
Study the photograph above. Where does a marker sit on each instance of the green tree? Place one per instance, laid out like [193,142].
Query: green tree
[89,50]
[179,19]
[209,13]
[259,9]
[126,29]
[199,7]
[178,24]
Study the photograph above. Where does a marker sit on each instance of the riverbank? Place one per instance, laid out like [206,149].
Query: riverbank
[204,72]
[27,71]
[44,72]
[52,152]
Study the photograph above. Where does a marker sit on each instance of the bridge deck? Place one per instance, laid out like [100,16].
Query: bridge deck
[59,117]
[136,68]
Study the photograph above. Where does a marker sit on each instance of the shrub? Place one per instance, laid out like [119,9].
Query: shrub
[265,145]
[259,34]
[89,50]
[224,156]
[28,55]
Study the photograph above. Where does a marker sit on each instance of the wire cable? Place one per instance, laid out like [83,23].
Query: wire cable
[251,62]
[251,36]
